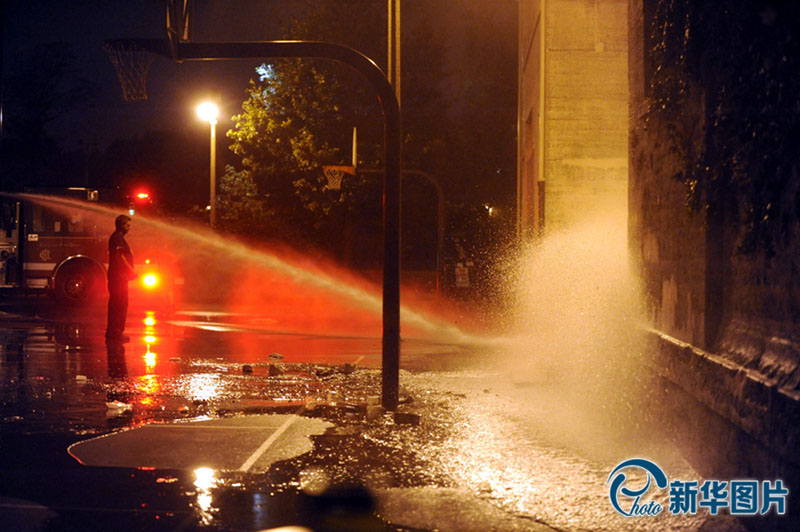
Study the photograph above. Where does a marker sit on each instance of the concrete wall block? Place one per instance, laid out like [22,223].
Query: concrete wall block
[609,15]
[577,139]
[781,361]
[581,75]
[579,189]
[608,136]
[740,344]
[767,288]
[587,25]
[785,422]
[589,175]
[770,348]
[678,276]
[743,397]
[682,309]
[571,24]
[751,400]
[650,248]
[591,110]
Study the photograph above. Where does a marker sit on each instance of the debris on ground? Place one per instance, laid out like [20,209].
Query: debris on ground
[116,408]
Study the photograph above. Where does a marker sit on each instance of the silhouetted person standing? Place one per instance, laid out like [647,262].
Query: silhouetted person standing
[120,271]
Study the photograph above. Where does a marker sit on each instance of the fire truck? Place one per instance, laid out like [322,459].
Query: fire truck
[63,252]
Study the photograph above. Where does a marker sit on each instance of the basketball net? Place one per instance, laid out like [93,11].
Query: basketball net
[334,175]
[131,63]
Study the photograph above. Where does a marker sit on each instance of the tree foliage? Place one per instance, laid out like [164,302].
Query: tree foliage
[299,116]
[458,125]
[739,59]
[240,203]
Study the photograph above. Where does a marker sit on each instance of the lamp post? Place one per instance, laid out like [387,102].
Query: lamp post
[208,112]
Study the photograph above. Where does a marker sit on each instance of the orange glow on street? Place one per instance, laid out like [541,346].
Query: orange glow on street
[148,384]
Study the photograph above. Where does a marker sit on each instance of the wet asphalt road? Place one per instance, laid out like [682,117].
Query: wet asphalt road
[60,385]
[483,447]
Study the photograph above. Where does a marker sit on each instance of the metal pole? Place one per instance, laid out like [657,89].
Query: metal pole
[355,147]
[189,51]
[212,221]
[394,50]
[440,215]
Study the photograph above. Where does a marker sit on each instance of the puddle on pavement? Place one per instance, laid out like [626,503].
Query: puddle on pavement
[52,397]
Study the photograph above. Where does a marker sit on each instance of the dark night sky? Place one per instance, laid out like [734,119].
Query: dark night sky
[175,89]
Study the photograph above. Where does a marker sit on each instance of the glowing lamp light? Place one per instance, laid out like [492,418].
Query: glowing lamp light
[150,280]
[208,112]
[149,321]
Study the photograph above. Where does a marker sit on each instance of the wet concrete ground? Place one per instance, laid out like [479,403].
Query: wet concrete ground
[491,450]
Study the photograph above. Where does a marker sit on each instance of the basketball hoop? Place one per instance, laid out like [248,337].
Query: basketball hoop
[334,175]
[131,62]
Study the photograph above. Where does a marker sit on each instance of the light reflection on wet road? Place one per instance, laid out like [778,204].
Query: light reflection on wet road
[512,443]
[57,370]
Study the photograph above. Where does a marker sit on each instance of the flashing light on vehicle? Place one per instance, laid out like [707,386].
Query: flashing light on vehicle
[149,321]
[150,280]
[149,358]
[141,197]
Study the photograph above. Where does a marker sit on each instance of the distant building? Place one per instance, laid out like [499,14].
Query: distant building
[573,112]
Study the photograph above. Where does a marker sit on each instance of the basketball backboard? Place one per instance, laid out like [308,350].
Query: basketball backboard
[179,21]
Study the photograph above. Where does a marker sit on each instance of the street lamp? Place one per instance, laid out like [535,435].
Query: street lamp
[208,112]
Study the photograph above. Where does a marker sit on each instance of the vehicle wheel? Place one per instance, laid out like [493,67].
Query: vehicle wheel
[79,283]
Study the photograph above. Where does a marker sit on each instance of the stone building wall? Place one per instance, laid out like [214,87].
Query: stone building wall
[667,241]
[573,112]
[585,120]
[701,288]
[726,325]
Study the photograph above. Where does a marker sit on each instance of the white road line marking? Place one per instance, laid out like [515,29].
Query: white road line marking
[264,446]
